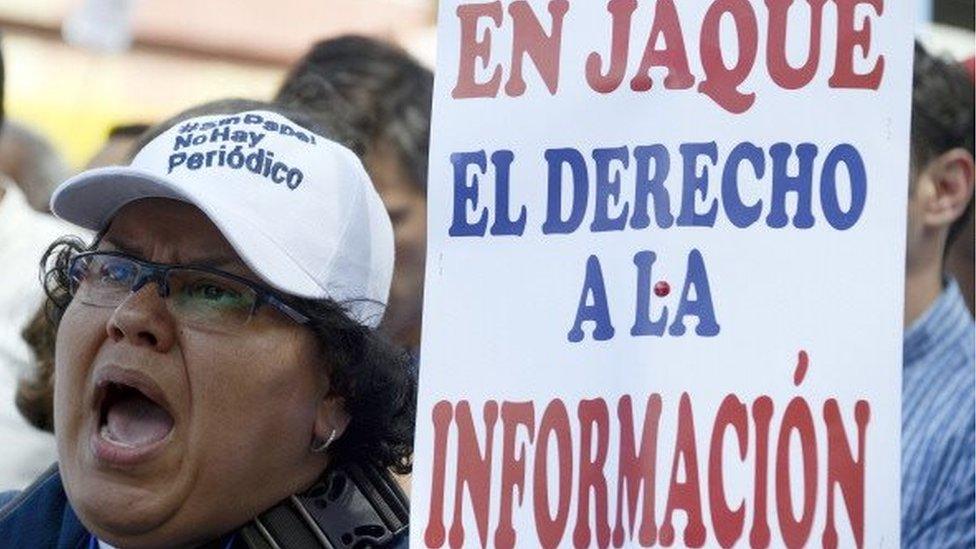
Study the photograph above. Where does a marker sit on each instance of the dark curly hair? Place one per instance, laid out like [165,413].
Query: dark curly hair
[377,380]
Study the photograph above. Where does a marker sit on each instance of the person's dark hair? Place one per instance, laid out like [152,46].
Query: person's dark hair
[387,91]
[128,130]
[942,116]
[376,379]
[35,391]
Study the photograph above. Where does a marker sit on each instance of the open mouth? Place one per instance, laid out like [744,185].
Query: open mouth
[130,418]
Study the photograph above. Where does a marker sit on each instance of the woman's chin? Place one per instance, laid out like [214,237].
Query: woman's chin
[127,503]
[127,508]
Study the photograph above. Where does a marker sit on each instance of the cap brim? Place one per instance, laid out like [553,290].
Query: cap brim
[91,199]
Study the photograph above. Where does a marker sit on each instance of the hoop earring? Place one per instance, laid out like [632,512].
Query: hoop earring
[319,446]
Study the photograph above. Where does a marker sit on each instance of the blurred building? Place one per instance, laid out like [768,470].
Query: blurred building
[182,52]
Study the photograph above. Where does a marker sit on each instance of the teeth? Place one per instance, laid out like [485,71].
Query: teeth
[106,433]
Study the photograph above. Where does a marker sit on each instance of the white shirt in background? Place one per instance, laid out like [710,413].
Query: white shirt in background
[25,452]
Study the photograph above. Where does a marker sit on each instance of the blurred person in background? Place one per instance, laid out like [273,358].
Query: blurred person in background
[388,94]
[219,378]
[961,258]
[939,373]
[24,235]
[961,261]
[32,162]
[117,149]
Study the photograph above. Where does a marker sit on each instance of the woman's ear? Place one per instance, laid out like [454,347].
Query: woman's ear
[331,418]
[950,177]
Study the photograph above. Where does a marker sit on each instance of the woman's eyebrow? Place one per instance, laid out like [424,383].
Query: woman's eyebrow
[123,245]
[217,262]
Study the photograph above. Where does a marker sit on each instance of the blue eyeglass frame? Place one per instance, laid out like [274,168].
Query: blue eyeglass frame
[158,273]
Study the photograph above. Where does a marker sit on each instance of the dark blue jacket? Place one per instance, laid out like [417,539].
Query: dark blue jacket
[41,517]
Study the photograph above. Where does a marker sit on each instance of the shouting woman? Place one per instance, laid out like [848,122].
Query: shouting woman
[218,378]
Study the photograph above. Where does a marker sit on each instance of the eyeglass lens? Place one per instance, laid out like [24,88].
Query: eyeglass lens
[195,296]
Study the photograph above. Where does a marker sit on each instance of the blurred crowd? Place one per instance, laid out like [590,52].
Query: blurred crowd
[377,100]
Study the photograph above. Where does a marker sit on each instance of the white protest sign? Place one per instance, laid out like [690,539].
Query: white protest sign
[665,274]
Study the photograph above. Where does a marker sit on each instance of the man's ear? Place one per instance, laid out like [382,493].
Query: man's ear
[331,418]
[950,176]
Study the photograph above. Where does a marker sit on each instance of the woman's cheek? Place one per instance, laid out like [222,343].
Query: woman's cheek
[231,377]
[79,337]
[78,340]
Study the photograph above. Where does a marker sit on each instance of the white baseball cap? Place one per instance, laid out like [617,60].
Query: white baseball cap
[298,208]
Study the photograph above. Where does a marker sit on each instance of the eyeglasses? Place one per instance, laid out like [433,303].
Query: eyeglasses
[196,296]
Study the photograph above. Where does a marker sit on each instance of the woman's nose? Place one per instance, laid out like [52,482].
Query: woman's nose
[144,320]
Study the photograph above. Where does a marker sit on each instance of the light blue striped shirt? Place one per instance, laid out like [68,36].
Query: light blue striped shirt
[938,449]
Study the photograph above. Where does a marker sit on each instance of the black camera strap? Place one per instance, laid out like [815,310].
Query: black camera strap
[350,506]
